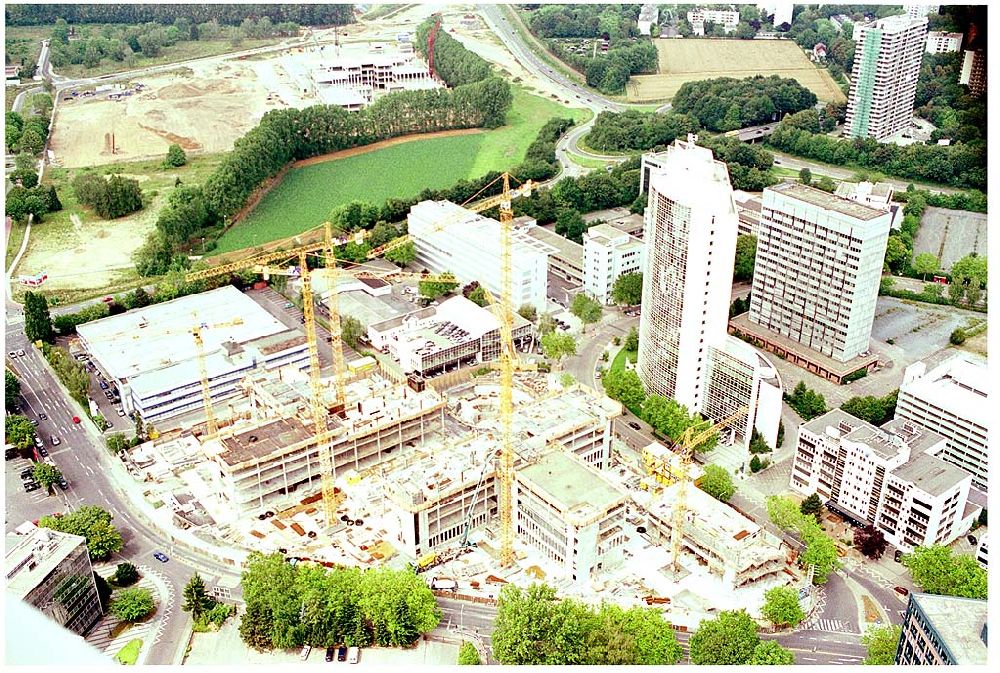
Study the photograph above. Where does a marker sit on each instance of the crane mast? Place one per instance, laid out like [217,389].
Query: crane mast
[506,471]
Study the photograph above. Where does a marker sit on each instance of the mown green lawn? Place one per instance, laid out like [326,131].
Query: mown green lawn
[307,195]
[130,653]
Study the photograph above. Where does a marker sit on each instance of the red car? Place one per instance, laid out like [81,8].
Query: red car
[76,419]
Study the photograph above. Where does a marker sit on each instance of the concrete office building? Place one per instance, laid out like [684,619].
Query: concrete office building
[817,272]
[571,514]
[684,349]
[920,11]
[878,195]
[149,355]
[748,210]
[884,80]
[51,571]
[952,399]
[566,262]
[943,630]
[608,253]
[887,477]
[469,247]
[939,42]
[433,339]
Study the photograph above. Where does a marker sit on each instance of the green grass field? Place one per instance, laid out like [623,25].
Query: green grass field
[130,653]
[307,195]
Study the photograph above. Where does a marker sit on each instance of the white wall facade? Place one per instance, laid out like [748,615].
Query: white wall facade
[943,43]
[608,253]
[469,247]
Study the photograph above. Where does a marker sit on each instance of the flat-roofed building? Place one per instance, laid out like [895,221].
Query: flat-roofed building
[973,72]
[877,195]
[884,81]
[608,253]
[731,545]
[566,261]
[728,19]
[943,630]
[149,355]
[469,247]
[51,571]
[943,43]
[952,399]
[570,513]
[748,210]
[433,339]
[649,14]
[887,477]
[817,270]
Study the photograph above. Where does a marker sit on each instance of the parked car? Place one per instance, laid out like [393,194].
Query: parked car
[20,352]
[634,425]
[903,591]
[76,419]
[43,417]
[55,441]
[160,556]
[12,354]
[63,484]
[42,451]
[341,653]
[306,649]
[27,472]
[121,412]
[104,386]
[353,654]
[329,653]
[972,540]
[30,486]
[34,421]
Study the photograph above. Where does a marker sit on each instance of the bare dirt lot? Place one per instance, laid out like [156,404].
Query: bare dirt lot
[690,60]
[950,235]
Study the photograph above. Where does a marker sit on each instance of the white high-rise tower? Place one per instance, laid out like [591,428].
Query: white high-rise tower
[684,349]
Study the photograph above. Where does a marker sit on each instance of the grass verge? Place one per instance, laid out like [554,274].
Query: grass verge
[587,162]
[130,653]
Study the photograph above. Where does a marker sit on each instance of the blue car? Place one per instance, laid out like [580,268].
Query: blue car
[161,557]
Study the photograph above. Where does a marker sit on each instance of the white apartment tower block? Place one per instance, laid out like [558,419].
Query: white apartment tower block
[884,81]
[684,349]
[469,247]
[888,477]
[952,399]
[920,11]
[699,17]
[817,270]
[608,253]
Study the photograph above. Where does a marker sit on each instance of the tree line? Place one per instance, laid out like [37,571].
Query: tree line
[609,72]
[634,130]
[820,551]
[453,63]
[126,44]
[303,14]
[290,606]
[615,21]
[958,165]
[727,103]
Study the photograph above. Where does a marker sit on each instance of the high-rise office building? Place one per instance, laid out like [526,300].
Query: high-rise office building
[884,81]
[943,630]
[974,71]
[684,349]
[817,270]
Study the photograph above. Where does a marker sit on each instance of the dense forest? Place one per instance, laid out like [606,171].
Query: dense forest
[233,15]
[634,130]
[725,103]
[615,21]
[609,72]
[960,165]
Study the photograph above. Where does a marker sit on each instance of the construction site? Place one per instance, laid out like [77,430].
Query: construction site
[505,474]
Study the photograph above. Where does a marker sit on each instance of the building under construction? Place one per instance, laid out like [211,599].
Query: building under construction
[729,544]
[440,492]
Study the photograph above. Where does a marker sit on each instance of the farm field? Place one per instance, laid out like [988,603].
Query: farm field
[692,60]
[308,194]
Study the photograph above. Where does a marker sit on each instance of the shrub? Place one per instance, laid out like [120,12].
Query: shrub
[957,337]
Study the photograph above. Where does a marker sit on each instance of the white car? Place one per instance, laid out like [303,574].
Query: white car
[121,412]
[20,352]
[353,653]
[55,441]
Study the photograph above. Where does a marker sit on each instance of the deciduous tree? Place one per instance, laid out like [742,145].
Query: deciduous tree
[926,264]
[351,330]
[627,290]
[402,255]
[37,321]
[557,346]
[781,606]
[631,342]
[881,642]
[175,156]
[125,575]
[870,541]
[717,483]
[727,640]
[131,605]
[91,522]
[46,475]
[468,655]
[746,253]
[771,653]
[432,289]
[587,309]
[11,392]
[625,386]
[937,571]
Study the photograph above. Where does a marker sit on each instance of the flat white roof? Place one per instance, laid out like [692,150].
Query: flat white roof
[959,384]
[159,336]
[469,226]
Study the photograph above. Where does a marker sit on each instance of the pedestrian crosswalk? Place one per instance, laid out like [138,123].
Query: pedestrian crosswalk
[830,625]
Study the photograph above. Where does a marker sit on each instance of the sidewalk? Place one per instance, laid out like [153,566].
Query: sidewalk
[106,635]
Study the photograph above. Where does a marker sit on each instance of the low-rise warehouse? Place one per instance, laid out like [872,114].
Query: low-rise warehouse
[150,356]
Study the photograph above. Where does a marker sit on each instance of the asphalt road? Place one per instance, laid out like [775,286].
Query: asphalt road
[85,462]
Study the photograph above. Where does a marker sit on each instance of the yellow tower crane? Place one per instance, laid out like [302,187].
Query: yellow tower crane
[508,356]
[211,425]
[687,443]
